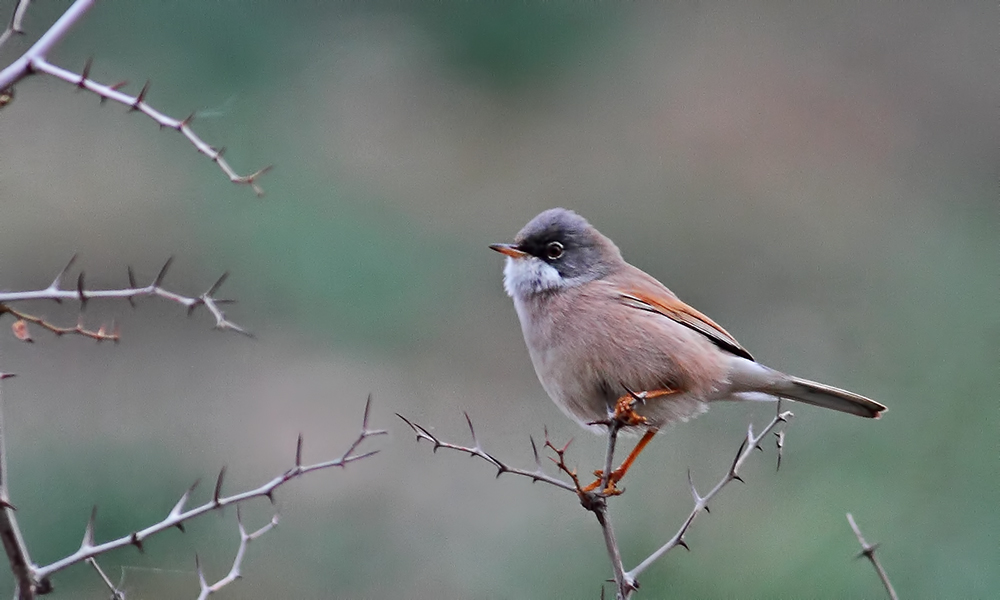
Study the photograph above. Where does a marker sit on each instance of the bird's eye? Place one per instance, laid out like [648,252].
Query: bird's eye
[553,250]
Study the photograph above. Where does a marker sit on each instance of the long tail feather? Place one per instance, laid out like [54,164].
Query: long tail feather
[827,396]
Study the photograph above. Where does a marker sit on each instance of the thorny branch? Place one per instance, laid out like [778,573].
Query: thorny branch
[39,576]
[34,60]
[868,551]
[55,291]
[750,443]
[596,501]
[477,450]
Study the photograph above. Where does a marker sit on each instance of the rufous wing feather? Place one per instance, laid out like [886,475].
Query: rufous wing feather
[652,296]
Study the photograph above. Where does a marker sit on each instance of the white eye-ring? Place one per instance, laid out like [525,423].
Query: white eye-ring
[553,250]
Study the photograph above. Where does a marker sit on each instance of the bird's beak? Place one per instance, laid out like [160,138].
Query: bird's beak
[509,249]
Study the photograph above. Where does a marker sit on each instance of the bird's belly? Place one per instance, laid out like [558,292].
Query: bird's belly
[585,382]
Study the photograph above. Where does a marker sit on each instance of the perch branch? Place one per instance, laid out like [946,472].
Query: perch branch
[596,500]
[477,450]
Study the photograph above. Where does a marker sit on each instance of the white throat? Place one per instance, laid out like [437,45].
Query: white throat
[525,277]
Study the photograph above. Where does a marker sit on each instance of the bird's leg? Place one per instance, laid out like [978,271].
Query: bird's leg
[625,415]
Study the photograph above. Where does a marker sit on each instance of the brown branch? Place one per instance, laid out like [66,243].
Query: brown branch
[101,334]
[868,551]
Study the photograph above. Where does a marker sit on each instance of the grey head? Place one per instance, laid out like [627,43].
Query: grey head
[558,248]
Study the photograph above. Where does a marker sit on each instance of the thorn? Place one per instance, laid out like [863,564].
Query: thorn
[218,486]
[298,452]
[201,574]
[163,273]
[140,98]
[738,478]
[694,492]
[368,408]
[79,290]
[683,544]
[55,282]
[7,375]
[707,510]
[179,507]
[135,541]
[471,429]
[88,533]
[215,287]
[6,504]
[86,73]
[186,122]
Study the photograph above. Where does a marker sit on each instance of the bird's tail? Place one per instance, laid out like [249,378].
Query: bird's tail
[751,380]
[827,396]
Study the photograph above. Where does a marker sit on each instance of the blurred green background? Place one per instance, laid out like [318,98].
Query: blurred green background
[819,178]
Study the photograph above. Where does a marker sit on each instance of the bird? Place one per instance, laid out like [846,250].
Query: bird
[611,344]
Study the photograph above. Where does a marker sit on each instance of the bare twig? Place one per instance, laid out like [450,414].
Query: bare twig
[476,450]
[15,26]
[101,334]
[34,60]
[116,593]
[234,572]
[56,292]
[868,551]
[10,533]
[750,442]
[178,516]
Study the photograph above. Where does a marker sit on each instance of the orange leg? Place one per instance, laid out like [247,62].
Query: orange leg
[619,473]
[625,415]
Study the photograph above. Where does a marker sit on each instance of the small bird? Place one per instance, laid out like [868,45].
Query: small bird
[611,343]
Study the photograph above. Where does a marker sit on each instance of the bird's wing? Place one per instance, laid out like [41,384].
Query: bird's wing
[648,294]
